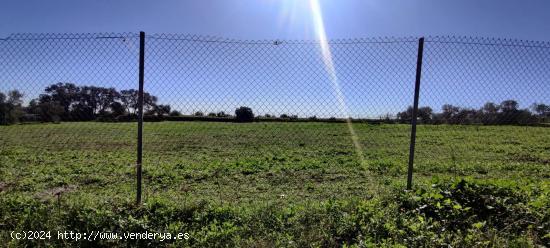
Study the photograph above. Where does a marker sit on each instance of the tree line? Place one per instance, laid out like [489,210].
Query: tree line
[505,113]
[69,102]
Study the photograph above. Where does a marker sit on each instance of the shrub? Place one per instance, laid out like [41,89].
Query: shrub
[175,113]
[126,118]
[244,114]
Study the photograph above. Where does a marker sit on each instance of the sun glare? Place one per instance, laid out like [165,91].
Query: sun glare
[326,54]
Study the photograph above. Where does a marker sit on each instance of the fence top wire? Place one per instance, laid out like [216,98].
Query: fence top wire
[213,39]
[67,36]
[487,41]
[483,41]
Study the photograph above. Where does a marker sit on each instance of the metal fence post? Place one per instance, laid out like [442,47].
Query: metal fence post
[140,115]
[415,111]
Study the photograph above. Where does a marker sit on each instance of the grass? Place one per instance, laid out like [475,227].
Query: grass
[276,184]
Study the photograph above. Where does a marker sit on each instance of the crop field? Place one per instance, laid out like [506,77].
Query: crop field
[279,184]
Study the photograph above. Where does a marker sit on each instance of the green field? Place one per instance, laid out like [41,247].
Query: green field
[279,184]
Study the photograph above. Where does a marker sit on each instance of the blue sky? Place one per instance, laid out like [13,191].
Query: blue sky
[270,19]
[291,19]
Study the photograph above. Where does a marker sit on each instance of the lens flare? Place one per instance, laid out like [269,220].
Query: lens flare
[326,54]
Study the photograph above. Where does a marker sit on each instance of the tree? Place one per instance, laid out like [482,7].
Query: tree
[149,101]
[490,108]
[221,114]
[489,113]
[509,112]
[89,97]
[64,94]
[244,114]
[465,116]
[106,98]
[405,116]
[117,109]
[198,113]
[50,111]
[541,109]
[15,97]
[129,99]
[99,99]
[175,113]
[33,107]
[82,112]
[161,110]
[449,112]
[11,108]
[423,113]
[509,106]
[3,109]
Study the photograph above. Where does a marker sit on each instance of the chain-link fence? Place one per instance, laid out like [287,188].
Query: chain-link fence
[60,94]
[263,118]
[298,103]
[483,89]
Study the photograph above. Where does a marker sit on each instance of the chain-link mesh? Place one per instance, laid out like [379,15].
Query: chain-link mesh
[66,93]
[245,120]
[480,90]
[299,108]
